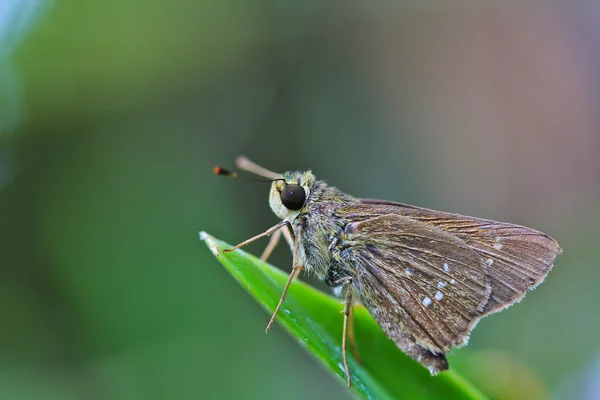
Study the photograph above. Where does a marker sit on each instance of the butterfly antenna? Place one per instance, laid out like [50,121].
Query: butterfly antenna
[225,172]
[243,163]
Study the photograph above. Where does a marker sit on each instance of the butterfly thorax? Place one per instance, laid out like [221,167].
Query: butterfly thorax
[318,230]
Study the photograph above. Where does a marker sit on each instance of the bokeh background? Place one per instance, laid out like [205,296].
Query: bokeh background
[113,113]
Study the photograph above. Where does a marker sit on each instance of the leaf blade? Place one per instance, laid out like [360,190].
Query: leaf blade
[313,318]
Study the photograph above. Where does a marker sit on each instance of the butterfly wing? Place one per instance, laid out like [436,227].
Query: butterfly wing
[517,258]
[425,287]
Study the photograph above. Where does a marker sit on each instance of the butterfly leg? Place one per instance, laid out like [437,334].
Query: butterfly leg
[275,240]
[271,246]
[295,271]
[348,323]
[351,338]
[268,232]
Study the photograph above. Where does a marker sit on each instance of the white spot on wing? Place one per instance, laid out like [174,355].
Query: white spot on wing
[497,244]
[439,295]
[426,301]
[409,271]
[489,262]
[452,282]
[446,267]
[441,284]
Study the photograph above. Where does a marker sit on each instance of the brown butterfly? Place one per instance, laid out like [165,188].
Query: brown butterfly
[427,277]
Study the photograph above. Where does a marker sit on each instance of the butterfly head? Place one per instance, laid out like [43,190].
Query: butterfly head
[290,191]
[290,195]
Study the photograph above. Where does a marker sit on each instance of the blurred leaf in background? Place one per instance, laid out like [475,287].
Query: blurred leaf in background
[16,17]
[112,115]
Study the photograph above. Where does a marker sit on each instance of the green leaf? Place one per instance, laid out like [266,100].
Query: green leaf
[315,320]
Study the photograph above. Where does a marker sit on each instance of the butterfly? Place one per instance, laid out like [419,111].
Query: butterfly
[427,277]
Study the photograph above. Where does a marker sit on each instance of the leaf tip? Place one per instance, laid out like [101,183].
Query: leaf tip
[203,235]
[207,238]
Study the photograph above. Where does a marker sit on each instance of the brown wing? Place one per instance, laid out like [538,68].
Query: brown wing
[517,258]
[414,278]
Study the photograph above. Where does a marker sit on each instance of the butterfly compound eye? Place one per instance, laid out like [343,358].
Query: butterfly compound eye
[293,197]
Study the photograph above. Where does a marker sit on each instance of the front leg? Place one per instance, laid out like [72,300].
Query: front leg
[295,271]
[268,232]
[288,234]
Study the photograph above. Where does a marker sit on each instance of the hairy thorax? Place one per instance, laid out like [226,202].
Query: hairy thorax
[321,232]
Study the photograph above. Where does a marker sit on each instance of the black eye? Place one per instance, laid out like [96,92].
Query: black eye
[293,196]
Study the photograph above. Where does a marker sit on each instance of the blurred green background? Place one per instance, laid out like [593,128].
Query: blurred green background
[113,113]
